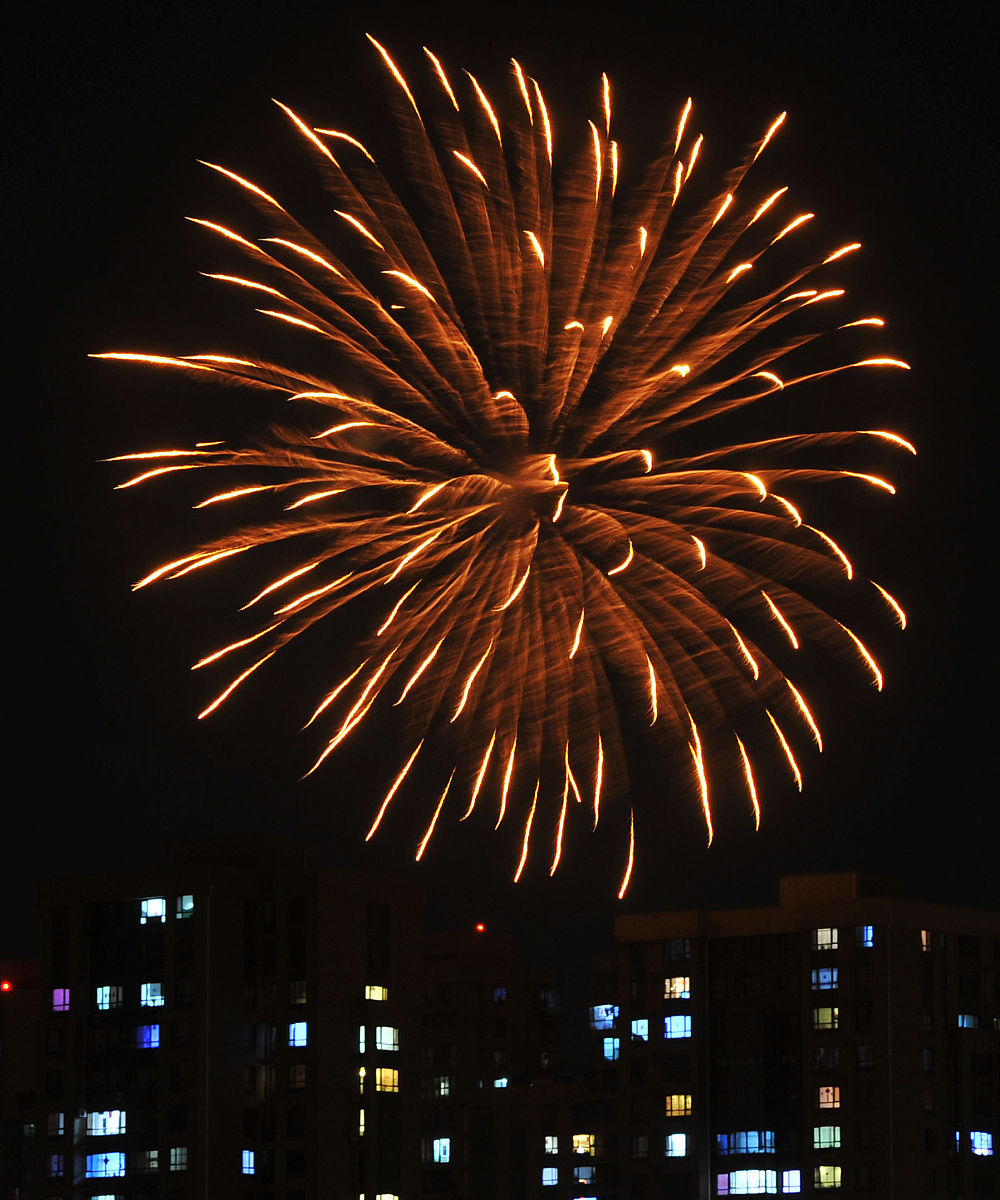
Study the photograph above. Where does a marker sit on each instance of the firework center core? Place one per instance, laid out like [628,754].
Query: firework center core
[535,483]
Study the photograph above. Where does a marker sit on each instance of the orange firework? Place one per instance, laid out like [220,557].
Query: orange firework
[497,462]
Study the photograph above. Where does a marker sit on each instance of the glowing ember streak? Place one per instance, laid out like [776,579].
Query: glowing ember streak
[211,658]
[346,137]
[506,783]
[864,321]
[159,360]
[408,558]
[695,151]
[606,89]
[247,283]
[597,161]
[863,651]
[873,479]
[654,707]
[699,766]
[307,597]
[570,776]
[546,126]
[427,495]
[467,162]
[280,316]
[681,123]
[340,428]
[312,256]
[775,126]
[487,107]
[527,834]
[469,682]
[573,325]
[479,778]
[157,471]
[614,167]
[723,207]
[244,183]
[793,225]
[702,555]
[628,558]
[751,786]
[395,609]
[392,791]
[235,495]
[418,672]
[411,282]
[841,252]
[523,88]
[516,592]
[787,749]
[442,77]
[780,619]
[273,587]
[631,854]
[559,829]
[804,710]
[790,508]
[362,229]
[437,812]
[893,604]
[329,699]
[598,780]
[312,498]
[772,199]
[643,239]
[836,549]
[758,483]
[737,271]
[536,246]
[576,637]
[395,74]
[750,660]
[234,685]
[892,437]
[559,507]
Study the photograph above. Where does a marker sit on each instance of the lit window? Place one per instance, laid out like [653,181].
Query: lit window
[151,995]
[57,1166]
[185,907]
[109,997]
[584,1143]
[442,1150]
[679,1105]
[361,1122]
[551,1144]
[147,1037]
[828,1097]
[612,1047]
[441,1085]
[826,1137]
[298,1033]
[746,1141]
[361,1080]
[677,1026]
[676,1145]
[154,909]
[105,1124]
[640,1030]
[60,999]
[747,1183]
[982,1142]
[824,979]
[550,1176]
[105,1166]
[826,1177]
[583,1175]
[248,1162]
[968,1021]
[374,992]
[826,1018]
[361,1039]
[864,936]
[178,1158]
[677,987]
[56,1124]
[824,939]
[386,1037]
[499,995]
[386,1079]
[501,1081]
[791,1181]
[146,1162]
[603,1016]
[925,940]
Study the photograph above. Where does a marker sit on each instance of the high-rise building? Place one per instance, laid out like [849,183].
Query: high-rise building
[19,1004]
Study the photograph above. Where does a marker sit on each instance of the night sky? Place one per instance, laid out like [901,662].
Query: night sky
[886,140]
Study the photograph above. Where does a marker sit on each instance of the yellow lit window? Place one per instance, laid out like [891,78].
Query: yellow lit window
[677,987]
[828,1097]
[386,1079]
[679,1105]
[584,1143]
[826,1177]
[826,1018]
[374,992]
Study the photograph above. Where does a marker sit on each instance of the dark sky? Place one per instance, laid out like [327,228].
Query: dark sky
[887,139]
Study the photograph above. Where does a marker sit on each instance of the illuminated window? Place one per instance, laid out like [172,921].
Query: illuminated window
[60,999]
[361,1122]
[154,909]
[146,1162]
[677,987]
[676,1145]
[584,1143]
[501,1081]
[551,1144]
[968,1021]
[374,992]
[826,1177]
[298,1033]
[56,1124]
[864,936]
[583,1175]
[791,1182]
[151,995]
[612,1047]
[925,940]
[57,1166]
[297,991]
[442,1150]
[185,907]
[826,1018]
[824,938]
[679,1105]
[147,1037]
[826,1137]
[499,995]
[603,1016]
[106,1124]
[824,979]
[248,1162]
[828,1097]
[386,1037]
[386,1079]
[550,1176]
[640,1030]
[105,1166]
[109,997]
[178,1158]
[746,1141]
[982,1142]
[361,1039]
[441,1085]
[677,1026]
[747,1183]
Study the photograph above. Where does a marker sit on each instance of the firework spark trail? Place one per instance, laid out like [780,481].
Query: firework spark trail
[502,487]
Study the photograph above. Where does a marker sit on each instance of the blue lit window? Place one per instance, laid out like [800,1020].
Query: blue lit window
[105,1166]
[106,1124]
[298,1033]
[676,1145]
[550,1176]
[865,935]
[154,909]
[747,1183]
[185,907]
[178,1158]
[603,1016]
[640,1030]
[441,1149]
[746,1141]
[501,1081]
[791,1181]
[60,999]
[56,1124]
[151,995]
[583,1174]
[982,1142]
[612,1048]
[248,1163]
[386,1037]
[147,1037]
[968,1021]
[57,1166]
[824,979]
[499,995]
[677,1026]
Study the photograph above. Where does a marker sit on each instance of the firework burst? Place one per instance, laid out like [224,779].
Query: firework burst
[493,465]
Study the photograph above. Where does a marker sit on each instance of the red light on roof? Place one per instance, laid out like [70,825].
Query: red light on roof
[6,985]
[480,927]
